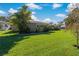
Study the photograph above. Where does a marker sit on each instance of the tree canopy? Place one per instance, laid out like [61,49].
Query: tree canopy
[21,18]
[72,22]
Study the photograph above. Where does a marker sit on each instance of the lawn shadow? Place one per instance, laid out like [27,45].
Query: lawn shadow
[32,33]
[40,33]
[7,42]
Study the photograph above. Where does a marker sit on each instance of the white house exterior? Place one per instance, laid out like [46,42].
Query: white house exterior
[34,26]
[4,25]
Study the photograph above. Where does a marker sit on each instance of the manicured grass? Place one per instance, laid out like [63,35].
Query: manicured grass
[58,43]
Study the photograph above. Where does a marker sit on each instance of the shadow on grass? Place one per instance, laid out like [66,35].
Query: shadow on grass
[9,41]
[30,33]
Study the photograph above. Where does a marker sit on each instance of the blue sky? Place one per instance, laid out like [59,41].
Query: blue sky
[46,12]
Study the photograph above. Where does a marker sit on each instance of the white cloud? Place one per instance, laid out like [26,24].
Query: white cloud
[33,6]
[55,5]
[47,20]
[12,11]
[33,12]
[19,7]
[34,18]
[67,10]
[72,6]
[61,15]
[2,12]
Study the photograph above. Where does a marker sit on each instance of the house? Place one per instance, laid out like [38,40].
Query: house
[34,26]
[4,25]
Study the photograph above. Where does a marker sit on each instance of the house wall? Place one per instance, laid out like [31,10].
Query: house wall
[4,25]
[33,26]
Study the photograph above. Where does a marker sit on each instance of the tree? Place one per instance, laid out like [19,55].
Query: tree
[0,26]
[72,22]
[21,19]
[3,18]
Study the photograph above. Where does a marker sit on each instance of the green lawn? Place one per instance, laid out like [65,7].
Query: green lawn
[58,43]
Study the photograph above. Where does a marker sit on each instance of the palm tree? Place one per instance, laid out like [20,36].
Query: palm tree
[21,19]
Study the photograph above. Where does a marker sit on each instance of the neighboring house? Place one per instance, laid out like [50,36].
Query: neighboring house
[34,26]
[63,26]
[4,25]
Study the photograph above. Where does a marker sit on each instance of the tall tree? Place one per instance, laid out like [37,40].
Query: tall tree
[21,18]
[3,18]
[72,22]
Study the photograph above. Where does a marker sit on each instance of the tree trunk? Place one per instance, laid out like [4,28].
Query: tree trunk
[77,39]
